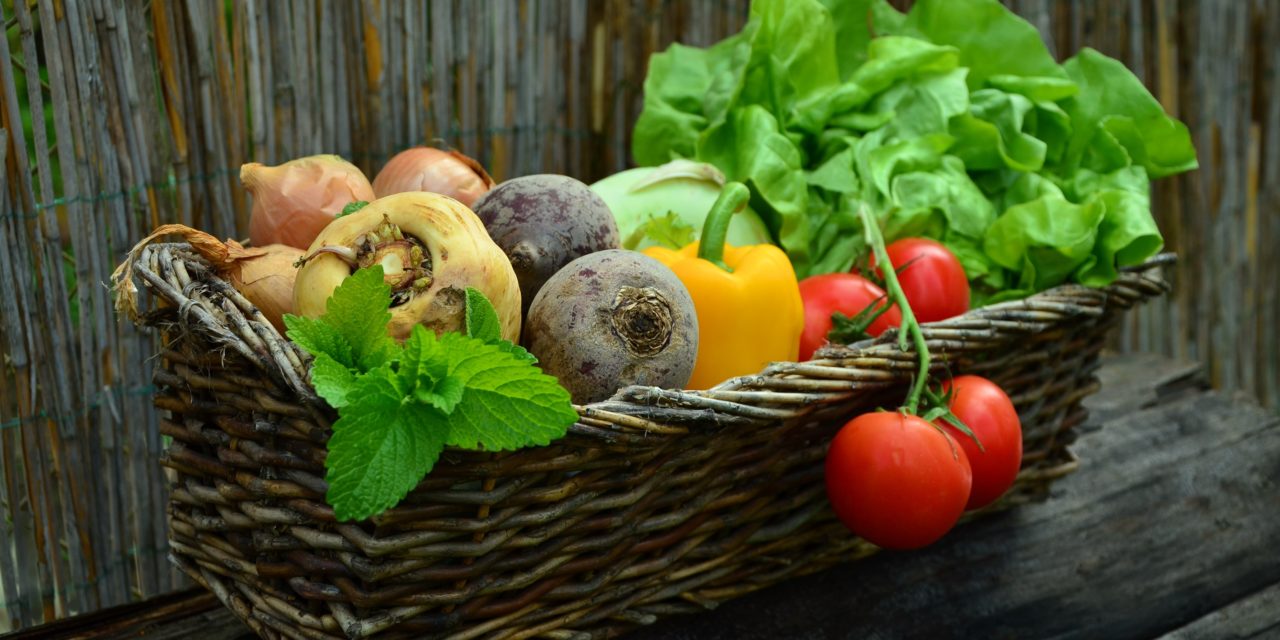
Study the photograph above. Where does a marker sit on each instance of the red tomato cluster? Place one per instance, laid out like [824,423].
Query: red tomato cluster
[902,483]
[931,278]
[896,479]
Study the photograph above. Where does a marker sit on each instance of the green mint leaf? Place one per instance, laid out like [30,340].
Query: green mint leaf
[352,207]
[482,318]
[422,361]
[358,309]
[444,395]
[319,337]
[424,372]
[381,447]
[332,380]
[516,350]
[508,403]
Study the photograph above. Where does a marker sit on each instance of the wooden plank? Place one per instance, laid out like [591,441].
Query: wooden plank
[1170,514]
[1251,617]
[1138,381]
[201,616]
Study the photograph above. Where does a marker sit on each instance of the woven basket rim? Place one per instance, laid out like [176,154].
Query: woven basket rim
[781,390]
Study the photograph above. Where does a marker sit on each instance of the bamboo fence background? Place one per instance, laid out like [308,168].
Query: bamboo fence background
[154,106]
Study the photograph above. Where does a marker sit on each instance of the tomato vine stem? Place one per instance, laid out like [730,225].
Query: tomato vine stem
[910,327]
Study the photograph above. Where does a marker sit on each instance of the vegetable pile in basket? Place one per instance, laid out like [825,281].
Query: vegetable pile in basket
[835,171]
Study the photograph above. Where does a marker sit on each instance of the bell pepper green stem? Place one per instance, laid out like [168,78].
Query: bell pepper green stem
[910,327]
[733,198]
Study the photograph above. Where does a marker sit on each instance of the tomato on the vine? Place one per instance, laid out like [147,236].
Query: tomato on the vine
[933,280]
[985,408]
[845,293]
[897,480]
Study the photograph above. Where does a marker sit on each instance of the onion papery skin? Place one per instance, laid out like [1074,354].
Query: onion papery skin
[447,173]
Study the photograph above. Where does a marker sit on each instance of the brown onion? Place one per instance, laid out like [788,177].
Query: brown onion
[263,275]
[428,169]
[267,281]
[292,202]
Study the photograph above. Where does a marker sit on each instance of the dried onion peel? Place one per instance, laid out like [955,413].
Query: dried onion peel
[263,275]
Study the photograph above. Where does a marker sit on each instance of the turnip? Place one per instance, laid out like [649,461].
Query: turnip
[611,319]
[543,222]
[666,206]
[431,248]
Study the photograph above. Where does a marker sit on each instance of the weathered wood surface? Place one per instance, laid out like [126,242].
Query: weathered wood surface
[1253,616]
[1169,527]
[190,614]
[154,105]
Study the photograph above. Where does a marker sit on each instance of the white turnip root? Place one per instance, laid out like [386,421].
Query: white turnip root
[431,248]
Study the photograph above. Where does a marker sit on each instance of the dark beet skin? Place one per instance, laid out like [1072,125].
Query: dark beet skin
[543,222]
[611,319]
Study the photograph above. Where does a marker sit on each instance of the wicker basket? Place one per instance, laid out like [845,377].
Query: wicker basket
[656,503]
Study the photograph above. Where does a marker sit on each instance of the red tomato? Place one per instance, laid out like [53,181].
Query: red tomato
[987,411]
[896,480]
[847,293]
[934,282]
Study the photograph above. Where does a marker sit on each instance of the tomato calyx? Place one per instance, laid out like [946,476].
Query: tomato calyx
[937,406]
[848,330]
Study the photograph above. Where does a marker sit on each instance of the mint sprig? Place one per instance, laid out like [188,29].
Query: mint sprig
[353,329]
[381,447]
[400,405]
[482,318]
[508,403]
[482,323]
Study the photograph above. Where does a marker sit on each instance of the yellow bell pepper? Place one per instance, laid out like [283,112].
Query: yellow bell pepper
[747,298]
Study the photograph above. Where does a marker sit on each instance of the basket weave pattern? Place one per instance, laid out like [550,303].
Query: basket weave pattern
[656,502]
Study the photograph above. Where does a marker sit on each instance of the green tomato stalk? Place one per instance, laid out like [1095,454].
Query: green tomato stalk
[910,327]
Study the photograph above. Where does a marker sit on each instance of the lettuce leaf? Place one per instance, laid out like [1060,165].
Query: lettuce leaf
[951,121]
[1117,122]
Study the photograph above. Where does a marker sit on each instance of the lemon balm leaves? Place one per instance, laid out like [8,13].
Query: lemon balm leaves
[381,447]
[399,406]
